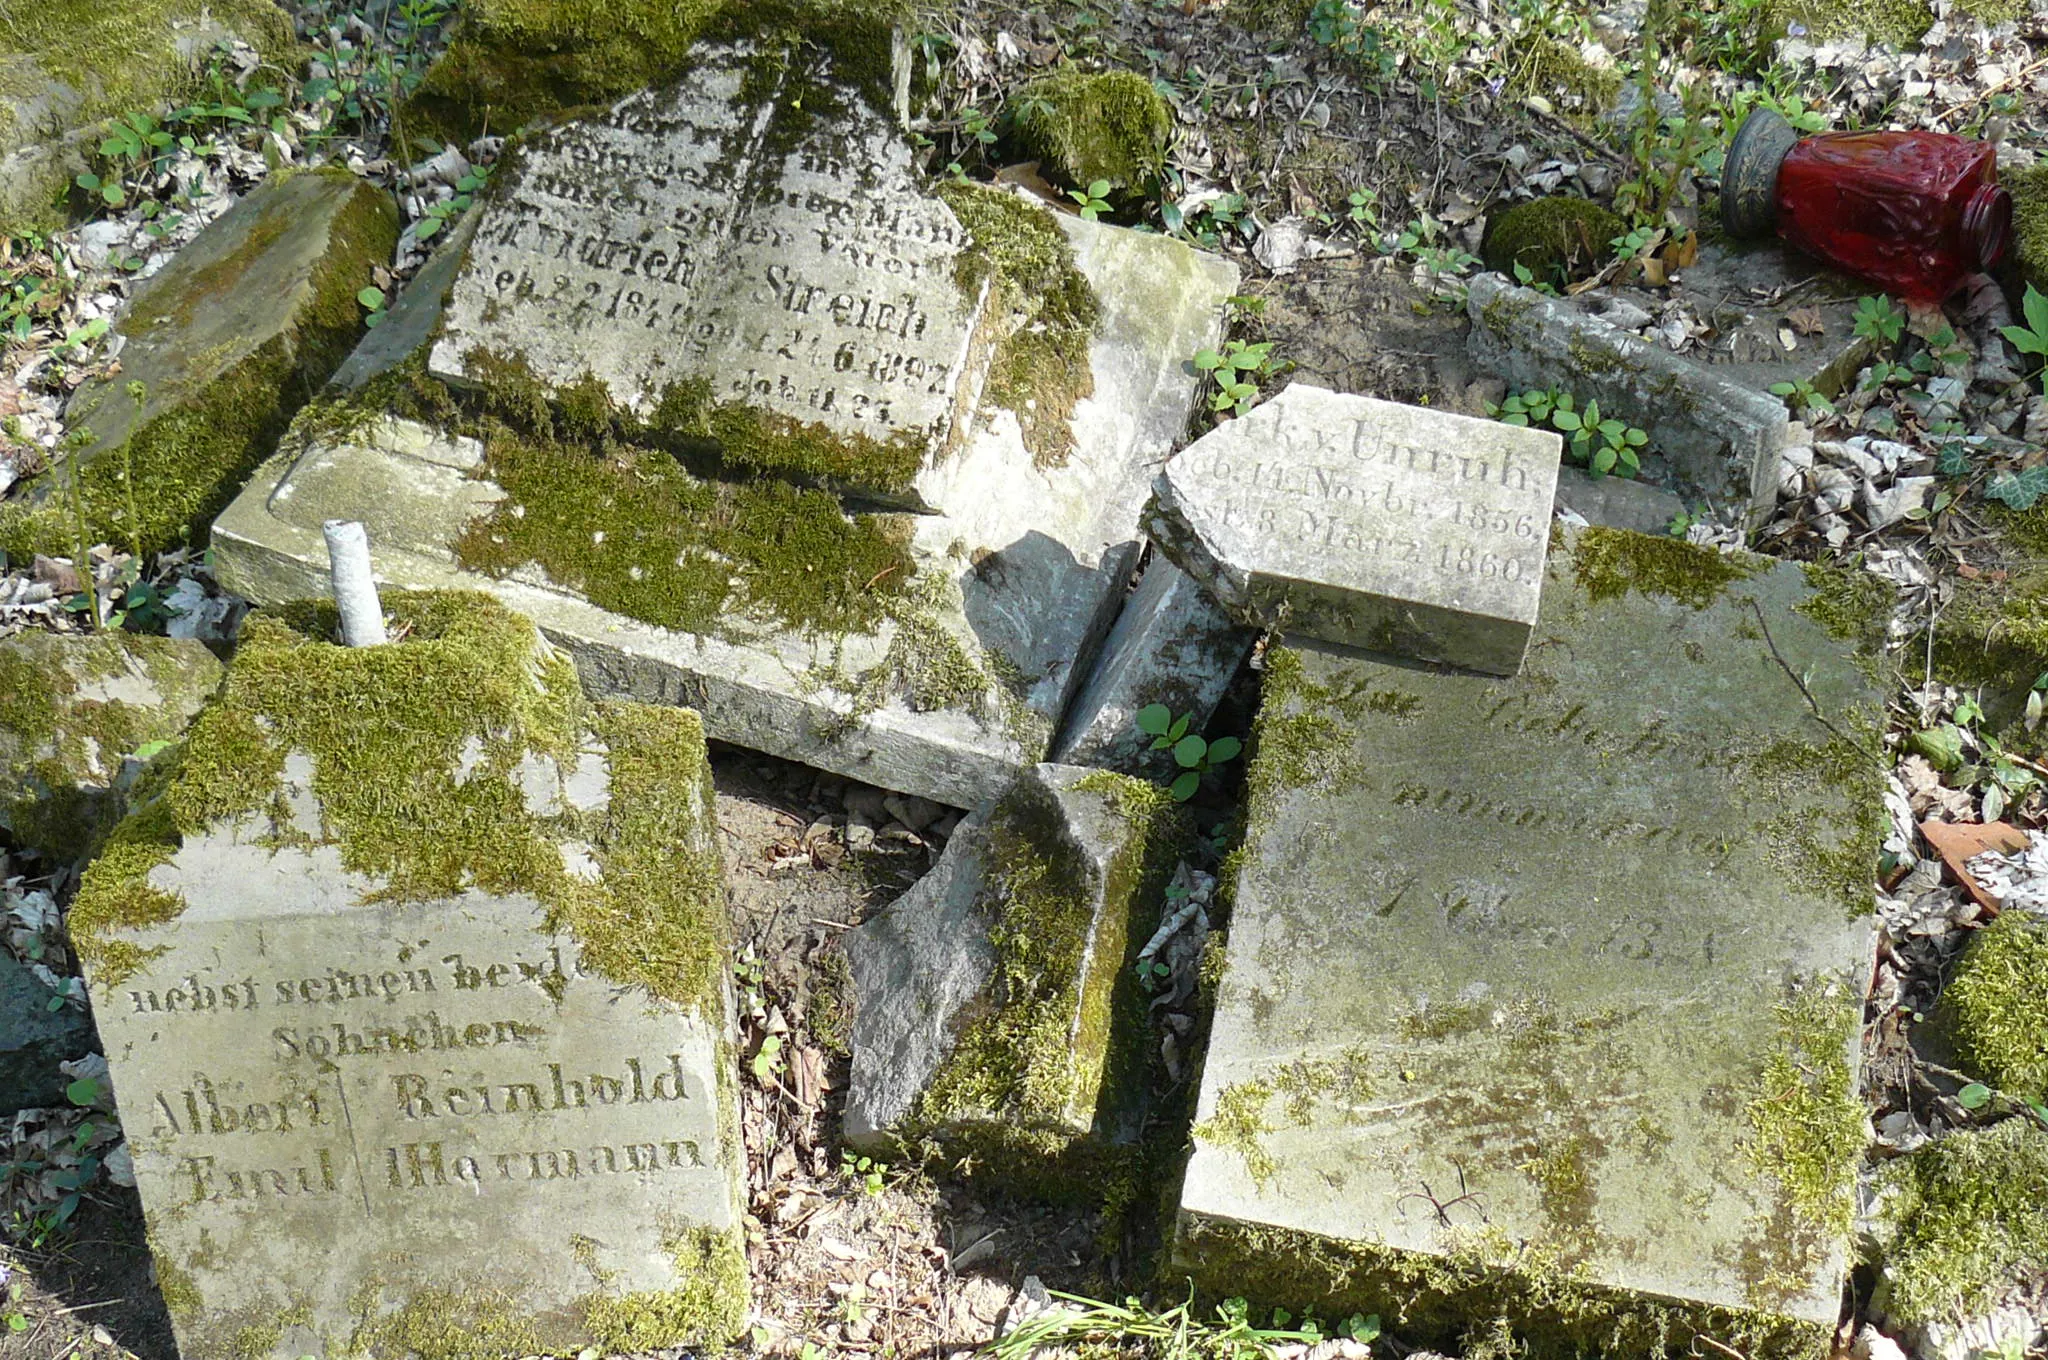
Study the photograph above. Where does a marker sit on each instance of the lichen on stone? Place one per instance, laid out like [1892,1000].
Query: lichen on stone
[1996,1005]
[1969,1214]
[1609,563]
[1082,127]
[474,1323]
[709,1307]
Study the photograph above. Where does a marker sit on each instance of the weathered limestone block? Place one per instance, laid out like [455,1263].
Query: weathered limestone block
[1395,528]
[64,68]
[223,346]
[1171,645]
[707,253]
[995,1002]
[1543,993]
[945,647]
[79,718]
[34,1039]
[412,983]
[1714,436]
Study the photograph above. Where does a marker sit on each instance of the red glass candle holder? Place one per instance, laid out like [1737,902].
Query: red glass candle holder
[1915,212]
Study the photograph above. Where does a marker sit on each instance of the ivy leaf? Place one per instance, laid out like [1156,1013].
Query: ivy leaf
[1975,1096]
[1154,719]
[1184,786]
[1942,747]
[1188,752]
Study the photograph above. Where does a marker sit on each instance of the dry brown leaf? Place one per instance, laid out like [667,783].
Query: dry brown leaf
[1806,320]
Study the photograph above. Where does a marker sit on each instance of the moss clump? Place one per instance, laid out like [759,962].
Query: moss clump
[708,1309]
[1082,127]
[1851,604]
[1896,23]
[1040,367]
[1542,65]
[1609,563]
[1993,638]
[2029,188]
[387,729]
[1558,240]
[1062,1024]
[443,1324]
[756,441]
[1806,1135]
[66,732]
[1997,1007]
[513,63]
[1971,1214]
[1481,1289]
[189,449]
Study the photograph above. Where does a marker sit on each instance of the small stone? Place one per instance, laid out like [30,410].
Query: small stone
[865,801]
[914,813]
[35,1038]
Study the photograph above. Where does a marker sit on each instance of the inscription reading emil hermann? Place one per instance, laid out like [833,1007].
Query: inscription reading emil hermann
[1368,523]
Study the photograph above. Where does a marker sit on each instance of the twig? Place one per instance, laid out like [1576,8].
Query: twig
[1786,667]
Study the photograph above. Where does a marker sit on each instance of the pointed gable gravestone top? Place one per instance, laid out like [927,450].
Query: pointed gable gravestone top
[742,255]
[1392,528]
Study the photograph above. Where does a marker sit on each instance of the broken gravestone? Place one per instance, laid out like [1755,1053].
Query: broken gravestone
[1171,645]
[81,717]
[1594,1080]
[692,557]
[995,1003]
[38,1030]
[412,988]
[751,261]
[1364,522]
[221,348]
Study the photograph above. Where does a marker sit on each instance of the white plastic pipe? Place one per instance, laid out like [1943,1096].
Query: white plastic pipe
[355,589]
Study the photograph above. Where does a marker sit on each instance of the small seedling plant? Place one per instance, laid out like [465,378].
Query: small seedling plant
[1879,319]
[2032,338]
[1237,368]
[1195,755]
[1600,443]
[1093,200]
[867,1173]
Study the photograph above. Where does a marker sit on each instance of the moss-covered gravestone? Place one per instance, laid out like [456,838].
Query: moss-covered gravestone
[222,347]
[411,978]
[700,339]
[995,1003]
[79,718]
[1542,996]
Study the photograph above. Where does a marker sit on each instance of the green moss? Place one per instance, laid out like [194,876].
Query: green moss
[1851,604]
[1061,1033]
[61,755]
[1483,1290]
[1558,240]
[386,729]
[1239,1125]
[180,1292]
[477,1323]
[1807,1134]
[1896,23]
[181,467]
[517,62]
[1837,856]
[1609,563]
[752,440]
[1542,65]
[1082,127]
[1040,368]
[1304,1087]
[1971,1214]
[708,1309]
[1996,1006]
[2029,188]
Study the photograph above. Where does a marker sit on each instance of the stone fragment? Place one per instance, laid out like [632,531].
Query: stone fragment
[64,68]
[34,1039]
[994,1000]
[223,346]
[741,285]
[1710,436]
[413,987]
[980,647]
[1617,502]
[1367,523]
[1171,645]
[411,320]
[79,718]
[1543,992]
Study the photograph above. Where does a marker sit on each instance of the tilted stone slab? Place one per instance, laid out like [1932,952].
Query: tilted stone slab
[1711,434]
[1171,645]
[1019,580]
[412,988]
[1365,522]
[80,718]
[995,1002]
[717,232]
[222,348]
[1542,993]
